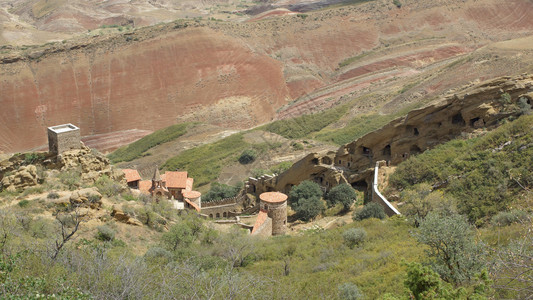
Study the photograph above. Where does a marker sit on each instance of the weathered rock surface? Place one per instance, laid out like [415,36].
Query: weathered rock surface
[93,165]
[120,216]
[89,197]
[459,113]
[24,177]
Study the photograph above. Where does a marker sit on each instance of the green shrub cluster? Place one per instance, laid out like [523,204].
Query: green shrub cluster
[219,191]
[138,148]
[205,162]
[343,194]
[305,199]
[354,236]
[371,210]
[247,156]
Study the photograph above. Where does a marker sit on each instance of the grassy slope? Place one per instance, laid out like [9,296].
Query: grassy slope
[138,148]
[484,174]
[205,162]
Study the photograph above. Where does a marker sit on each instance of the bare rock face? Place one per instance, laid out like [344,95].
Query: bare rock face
[92,163]
[121,216]
[457,114]
[89,197]
[25,176]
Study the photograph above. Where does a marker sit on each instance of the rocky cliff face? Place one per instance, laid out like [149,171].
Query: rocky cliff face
[472,108]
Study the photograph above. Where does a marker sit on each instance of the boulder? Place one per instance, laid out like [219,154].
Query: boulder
[24,176]
[121,216]
[87,197]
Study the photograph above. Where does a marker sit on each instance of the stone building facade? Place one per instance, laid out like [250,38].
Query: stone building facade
[272,210]
[63,137]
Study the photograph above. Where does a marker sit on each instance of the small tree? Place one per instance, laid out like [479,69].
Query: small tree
[343,194]
[247,156]
[454,253]
[371,210]
[305,200]
[421,199]
[220,191]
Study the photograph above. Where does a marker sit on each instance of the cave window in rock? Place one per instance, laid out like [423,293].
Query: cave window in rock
[415,150]
[224,214]
[211,216]
[315,161]
[473,121]
[349,164]
[366,151]
[458,120]
[415,131]
[387,152]
[218,215]
[326,160]
[362,186]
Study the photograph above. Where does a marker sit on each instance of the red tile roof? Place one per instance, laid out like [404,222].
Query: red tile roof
[192,204]
[261,218]
[191,194]
[273,197]
[131,175]
[177,180]
[145,185]
[188,186]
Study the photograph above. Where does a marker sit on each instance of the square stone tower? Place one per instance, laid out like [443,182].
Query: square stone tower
[63,137]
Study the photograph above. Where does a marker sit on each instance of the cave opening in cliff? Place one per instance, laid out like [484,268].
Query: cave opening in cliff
[387,152]
[473,121]
[415,131]
[458,120]
[362,186]
[366,151]
[327,160]
[415,150]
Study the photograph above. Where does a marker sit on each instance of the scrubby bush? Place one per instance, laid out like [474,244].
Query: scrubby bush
[371,210]
[354,236]
[53,195]
[108,187]
[105,233]
[247,156]
[24,203]
[349,291]
[343,194]
[220,191]
[308,208]
[70,178]
[505,218]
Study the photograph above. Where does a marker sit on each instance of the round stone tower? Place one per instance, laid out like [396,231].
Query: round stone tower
[275,204]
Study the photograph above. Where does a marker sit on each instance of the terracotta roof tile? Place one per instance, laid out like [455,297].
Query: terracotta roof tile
[189,183]
[273,197]
[131,175]
[145,185]
[261,218]
[177,180]
[191,194]
[192,204]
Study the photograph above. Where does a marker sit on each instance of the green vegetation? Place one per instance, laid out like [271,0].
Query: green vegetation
[352,59]
[343,194]
[247,156]
[302,126]
[219,191]
[354,236]
[485,174]
[371,210]
[397,3]
[205,162]
[105,233]
[138,148]
[305,199]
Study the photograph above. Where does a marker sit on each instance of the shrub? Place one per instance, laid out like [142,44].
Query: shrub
[453,251]
[343,194]
[297,146]
[349,291]
[24,203]
[354,236]
[105,233]
[220,191]
[397,3]
[305,200]
[71,178]
[108,187]
[53,195]
[308,208]
[371,210]
[247,156]
[525,108]
[505,218]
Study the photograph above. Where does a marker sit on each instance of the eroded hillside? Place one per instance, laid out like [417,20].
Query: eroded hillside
[241,74]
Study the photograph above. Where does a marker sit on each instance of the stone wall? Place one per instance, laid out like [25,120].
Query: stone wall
[220,211]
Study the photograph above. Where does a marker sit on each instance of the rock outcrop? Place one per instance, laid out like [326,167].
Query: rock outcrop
[24,177]
[89,197]
[92,163]
[460,113]
[121,216]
